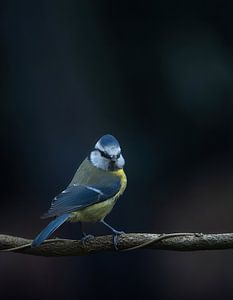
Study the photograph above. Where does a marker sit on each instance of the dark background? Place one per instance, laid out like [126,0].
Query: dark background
[159,76]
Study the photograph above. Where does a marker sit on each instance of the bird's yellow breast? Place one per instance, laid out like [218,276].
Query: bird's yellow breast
[120,173]
[99,211]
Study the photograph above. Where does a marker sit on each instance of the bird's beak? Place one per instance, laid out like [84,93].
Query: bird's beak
[114,158]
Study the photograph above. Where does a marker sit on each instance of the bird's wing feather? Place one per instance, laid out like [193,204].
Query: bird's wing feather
[78,196]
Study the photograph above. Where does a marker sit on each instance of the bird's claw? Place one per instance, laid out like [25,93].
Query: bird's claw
[198,234]
[86,238]
[115,238]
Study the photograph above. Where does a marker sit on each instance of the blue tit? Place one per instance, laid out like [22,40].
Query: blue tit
[93,191]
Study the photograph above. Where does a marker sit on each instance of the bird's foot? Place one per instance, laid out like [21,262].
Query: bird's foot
[115,238]
[86,238]
[161,235]
[198,234]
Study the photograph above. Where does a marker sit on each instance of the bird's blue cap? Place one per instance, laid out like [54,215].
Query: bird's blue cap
[108,140]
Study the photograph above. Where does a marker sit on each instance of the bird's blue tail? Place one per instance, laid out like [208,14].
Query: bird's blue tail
[49,229]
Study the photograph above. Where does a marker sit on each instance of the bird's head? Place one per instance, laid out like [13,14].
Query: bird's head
[107,154]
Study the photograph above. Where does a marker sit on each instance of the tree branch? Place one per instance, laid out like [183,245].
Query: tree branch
[131,241]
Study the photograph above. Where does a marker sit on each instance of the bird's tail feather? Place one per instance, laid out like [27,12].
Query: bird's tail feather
[49,229]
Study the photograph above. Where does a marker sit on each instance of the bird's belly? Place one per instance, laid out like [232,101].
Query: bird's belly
[95,212]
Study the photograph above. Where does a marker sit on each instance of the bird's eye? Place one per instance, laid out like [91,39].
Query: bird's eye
[104,154]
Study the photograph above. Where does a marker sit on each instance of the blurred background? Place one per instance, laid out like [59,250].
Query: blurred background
[158,75]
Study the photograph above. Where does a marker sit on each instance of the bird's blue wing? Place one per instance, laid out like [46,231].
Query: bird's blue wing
[78,196]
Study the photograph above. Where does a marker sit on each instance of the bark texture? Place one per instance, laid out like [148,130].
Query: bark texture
[131,241]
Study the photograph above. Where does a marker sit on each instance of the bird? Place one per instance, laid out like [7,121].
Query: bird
[92,193]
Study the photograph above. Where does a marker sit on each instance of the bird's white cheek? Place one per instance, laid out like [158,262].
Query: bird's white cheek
[98,161]
[120,162]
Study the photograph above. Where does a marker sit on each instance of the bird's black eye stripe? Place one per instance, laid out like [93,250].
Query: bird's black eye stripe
[104,154]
